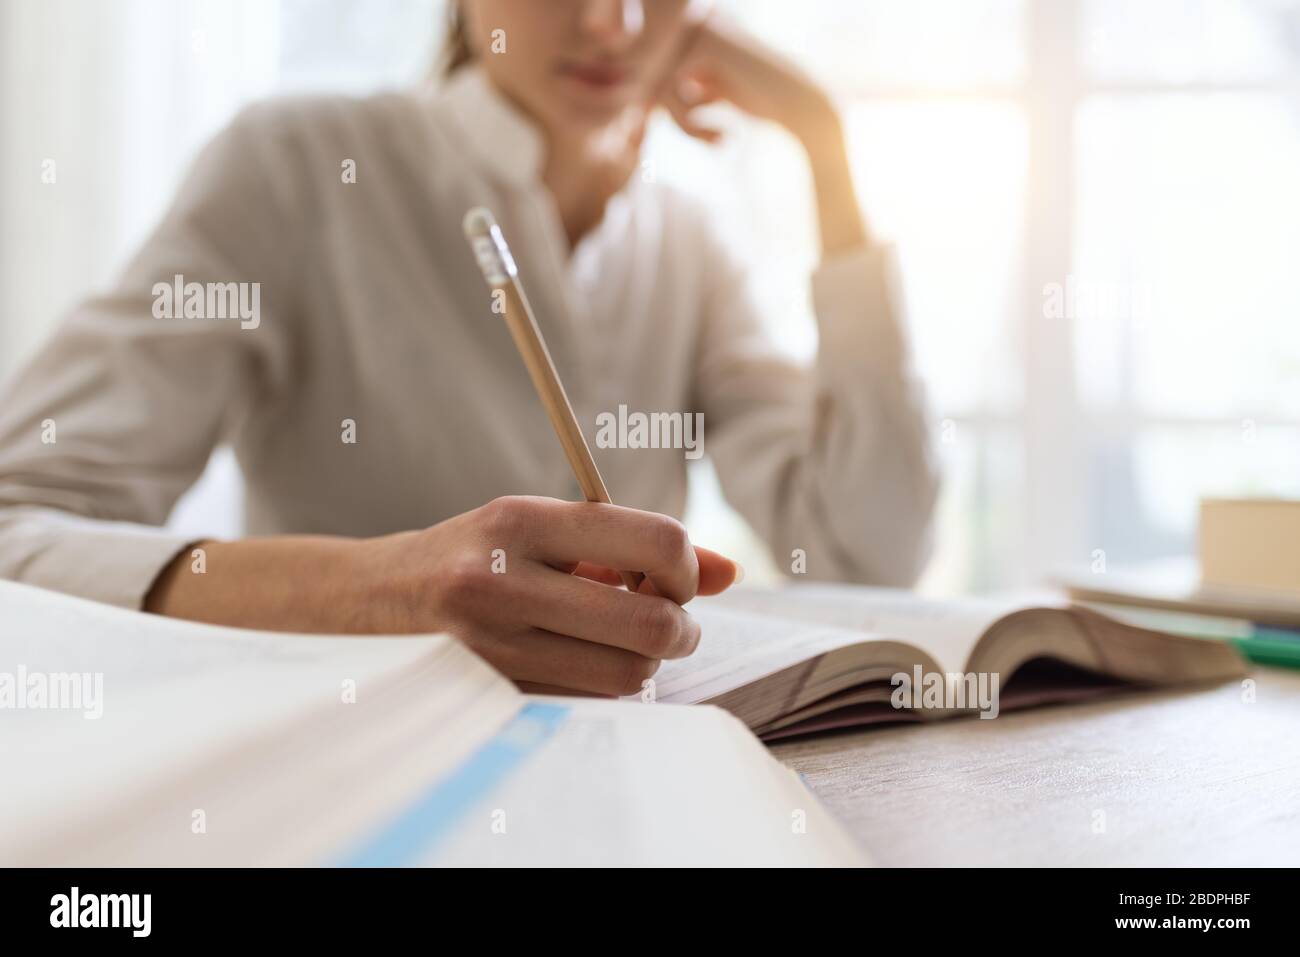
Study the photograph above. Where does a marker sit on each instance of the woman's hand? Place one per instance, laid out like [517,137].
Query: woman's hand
[719,63]
[528,583]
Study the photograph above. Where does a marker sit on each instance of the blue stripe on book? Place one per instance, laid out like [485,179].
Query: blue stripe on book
[414,833]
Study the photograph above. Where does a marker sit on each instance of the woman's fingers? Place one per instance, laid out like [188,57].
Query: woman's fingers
[532,687]
[672,98]
[649,625]
[563,534]
[717,572]
[543,658]
[597,573]
[719,61]
[681,90]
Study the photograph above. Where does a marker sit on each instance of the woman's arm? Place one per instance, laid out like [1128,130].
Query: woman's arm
[831,465]
[839,215]
[528,583]
[118,413]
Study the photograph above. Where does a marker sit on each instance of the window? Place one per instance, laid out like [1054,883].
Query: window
[1097,206]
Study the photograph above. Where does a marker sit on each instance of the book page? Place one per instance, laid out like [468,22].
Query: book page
[662,785]
[1175,585]
[159,700]
[433,762]
[947,630]
[737,648]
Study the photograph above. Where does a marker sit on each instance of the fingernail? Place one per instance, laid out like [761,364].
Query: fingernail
[740,573]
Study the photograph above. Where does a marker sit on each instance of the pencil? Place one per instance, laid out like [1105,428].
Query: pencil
[502,276]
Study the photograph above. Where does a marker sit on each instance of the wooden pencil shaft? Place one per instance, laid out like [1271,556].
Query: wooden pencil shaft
[541,369]
[499,271]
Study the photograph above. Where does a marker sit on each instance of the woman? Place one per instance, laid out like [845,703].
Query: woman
[382,419]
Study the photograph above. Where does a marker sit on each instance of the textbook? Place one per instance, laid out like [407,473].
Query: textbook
[136,740]
[805,658]
[1177,585]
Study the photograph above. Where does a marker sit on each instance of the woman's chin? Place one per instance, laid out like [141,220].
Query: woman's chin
[585,104]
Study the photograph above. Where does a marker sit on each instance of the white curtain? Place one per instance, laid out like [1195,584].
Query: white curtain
[103,105]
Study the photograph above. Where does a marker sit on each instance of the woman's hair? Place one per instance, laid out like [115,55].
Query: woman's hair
[456,51]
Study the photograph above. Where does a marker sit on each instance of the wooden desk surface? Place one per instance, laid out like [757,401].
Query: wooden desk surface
[1197,777]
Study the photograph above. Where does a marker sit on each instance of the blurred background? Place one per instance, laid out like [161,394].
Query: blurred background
[1096,202]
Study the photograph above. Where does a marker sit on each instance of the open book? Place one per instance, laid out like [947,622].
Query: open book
[807,658]
[130,739]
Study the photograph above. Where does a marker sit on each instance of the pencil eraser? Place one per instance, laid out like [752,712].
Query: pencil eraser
[489,247]
[478,222]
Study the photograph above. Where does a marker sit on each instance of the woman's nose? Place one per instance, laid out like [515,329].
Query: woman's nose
[612,19]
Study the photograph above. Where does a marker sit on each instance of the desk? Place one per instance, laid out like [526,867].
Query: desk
[1195,777]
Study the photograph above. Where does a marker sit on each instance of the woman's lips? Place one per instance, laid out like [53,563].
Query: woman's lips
[599,76]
